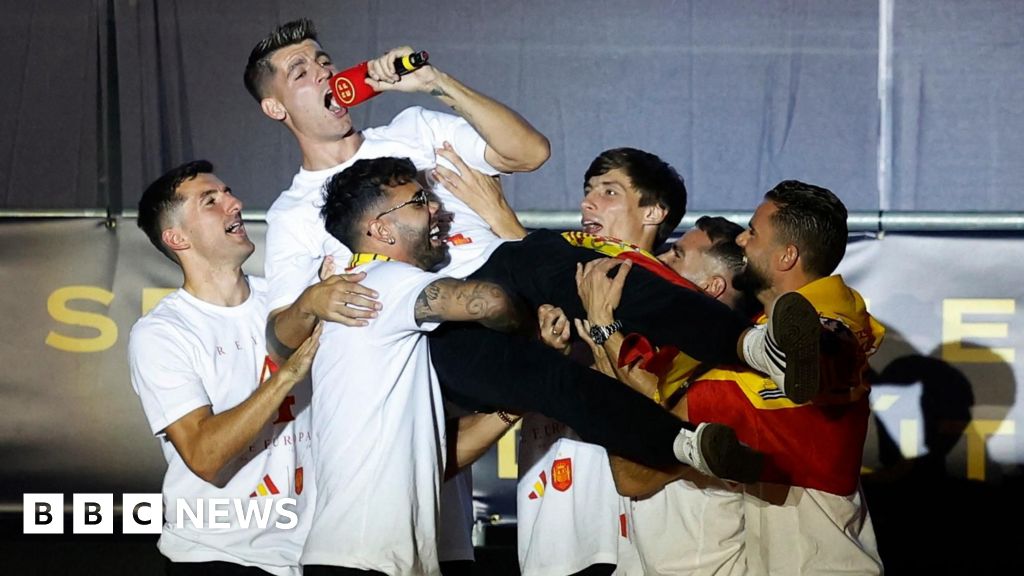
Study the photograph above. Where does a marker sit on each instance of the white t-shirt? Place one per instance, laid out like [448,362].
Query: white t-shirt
[686,529]
[455,537]
[812,532]
[569,514]
[187,353]
[297,240]
[455,532]
[379,436]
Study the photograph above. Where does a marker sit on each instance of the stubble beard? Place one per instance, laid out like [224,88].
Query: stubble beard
[751,280]
[424,254]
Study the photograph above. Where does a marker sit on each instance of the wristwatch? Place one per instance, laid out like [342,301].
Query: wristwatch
[600,334]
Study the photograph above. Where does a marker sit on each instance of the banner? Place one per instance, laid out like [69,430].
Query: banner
[947,380]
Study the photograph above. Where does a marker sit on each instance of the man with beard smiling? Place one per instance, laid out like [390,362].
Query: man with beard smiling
[378,419]
[808,514]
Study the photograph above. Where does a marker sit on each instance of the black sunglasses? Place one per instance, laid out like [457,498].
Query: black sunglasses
[419,199]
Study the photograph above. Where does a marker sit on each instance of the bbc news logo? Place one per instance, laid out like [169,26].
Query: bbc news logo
[144,513]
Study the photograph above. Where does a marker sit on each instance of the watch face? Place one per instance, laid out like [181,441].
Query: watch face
[597,334]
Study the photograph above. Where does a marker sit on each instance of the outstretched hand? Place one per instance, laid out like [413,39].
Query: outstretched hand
[342,299]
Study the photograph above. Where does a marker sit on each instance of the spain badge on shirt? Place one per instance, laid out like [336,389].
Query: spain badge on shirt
[561,474]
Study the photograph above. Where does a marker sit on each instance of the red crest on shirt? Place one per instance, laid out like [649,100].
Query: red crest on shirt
[269,369]
[298,480]
[459,240]
[561,474]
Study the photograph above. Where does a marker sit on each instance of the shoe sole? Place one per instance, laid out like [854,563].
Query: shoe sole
[797,331]
[728,459]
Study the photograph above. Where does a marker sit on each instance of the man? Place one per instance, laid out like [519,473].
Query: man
[570,518]
[230,426]
[288,75]
[708,256]
[378,419]
[796,239]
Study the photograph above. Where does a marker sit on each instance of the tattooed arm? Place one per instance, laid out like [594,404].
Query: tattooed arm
[449,299]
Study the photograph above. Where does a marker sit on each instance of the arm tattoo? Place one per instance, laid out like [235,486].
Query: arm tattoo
[440,93]
[466,300]
[425,303]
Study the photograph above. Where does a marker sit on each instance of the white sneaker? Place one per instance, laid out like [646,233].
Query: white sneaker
[714,450]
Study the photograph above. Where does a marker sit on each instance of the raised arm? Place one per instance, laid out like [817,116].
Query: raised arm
[209,443]
[513,145]
[448,299]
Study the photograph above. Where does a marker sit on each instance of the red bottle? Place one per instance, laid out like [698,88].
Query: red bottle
[350,87]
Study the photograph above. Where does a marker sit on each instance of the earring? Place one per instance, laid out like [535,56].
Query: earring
[391,240]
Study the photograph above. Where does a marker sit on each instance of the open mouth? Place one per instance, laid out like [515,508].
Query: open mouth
[236,227]
[439,233]
[332,106]
[591,227]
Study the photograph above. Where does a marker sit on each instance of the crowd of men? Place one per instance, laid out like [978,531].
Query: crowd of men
[701,411]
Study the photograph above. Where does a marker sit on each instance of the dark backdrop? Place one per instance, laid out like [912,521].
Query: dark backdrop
[101,96]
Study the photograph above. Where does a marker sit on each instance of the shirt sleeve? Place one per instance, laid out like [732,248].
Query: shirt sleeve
[164,375]
[291,263]
[463,137]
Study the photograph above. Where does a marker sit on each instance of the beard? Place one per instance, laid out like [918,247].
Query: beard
[424,254]
[751,280]
[432,257]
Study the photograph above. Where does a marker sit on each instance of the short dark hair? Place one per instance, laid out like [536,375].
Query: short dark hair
[723,233]
[724,250]
[350,194]
[655,180]
[161,198]
[813,219]
[259,69]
